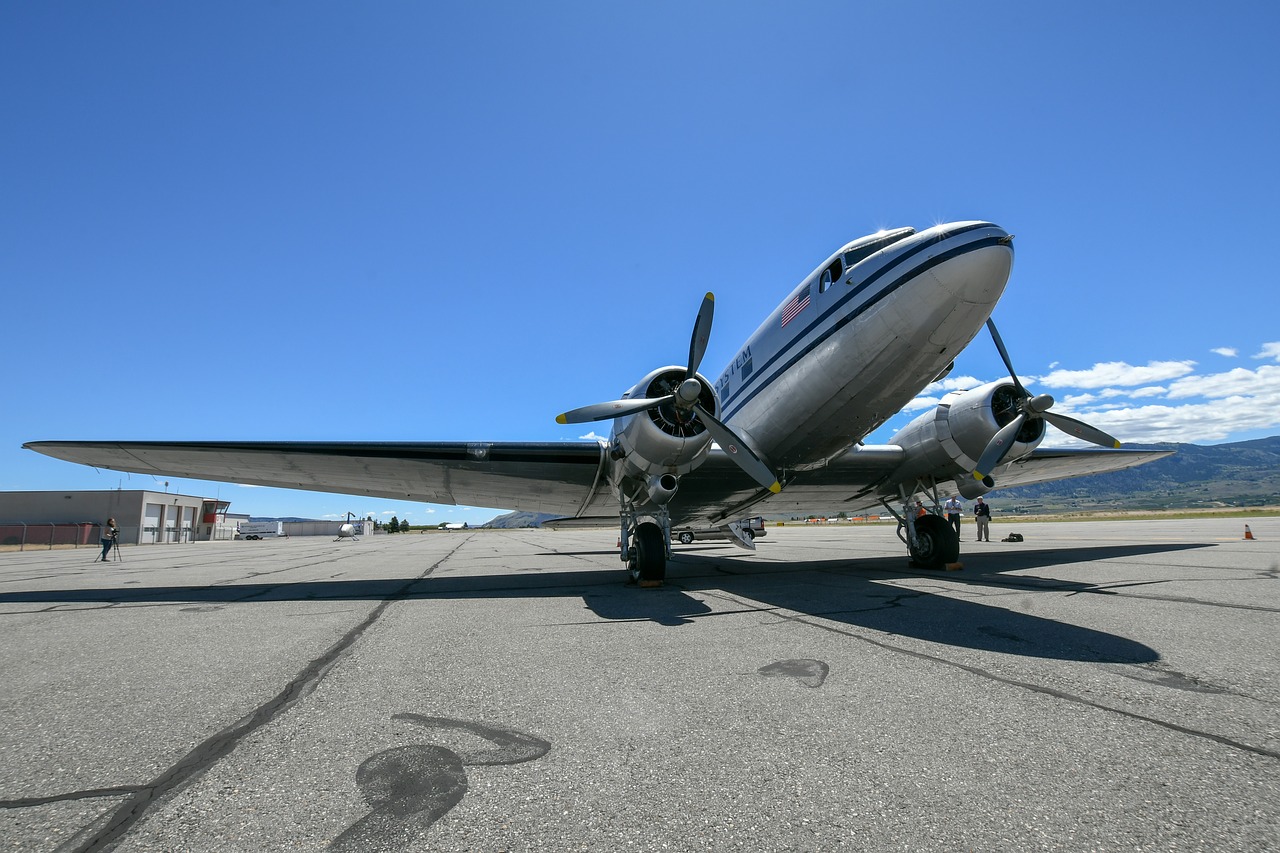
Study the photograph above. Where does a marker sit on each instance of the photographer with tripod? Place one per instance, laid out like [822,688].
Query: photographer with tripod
[110,533]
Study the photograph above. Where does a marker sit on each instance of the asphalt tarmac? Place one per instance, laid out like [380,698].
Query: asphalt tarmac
[1101,686]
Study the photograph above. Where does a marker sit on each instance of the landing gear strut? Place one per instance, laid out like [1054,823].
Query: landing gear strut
[930,540]
[646,544]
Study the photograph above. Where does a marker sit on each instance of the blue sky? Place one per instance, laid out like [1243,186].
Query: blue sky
[418,221]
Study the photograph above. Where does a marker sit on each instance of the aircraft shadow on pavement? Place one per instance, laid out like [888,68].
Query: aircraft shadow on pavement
[852,591]
[849,591]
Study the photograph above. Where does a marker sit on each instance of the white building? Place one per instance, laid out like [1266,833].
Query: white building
[143,517]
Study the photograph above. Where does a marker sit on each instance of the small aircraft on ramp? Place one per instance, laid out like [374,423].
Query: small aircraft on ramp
[780,430]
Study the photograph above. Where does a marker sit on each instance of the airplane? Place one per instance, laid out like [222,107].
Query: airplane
[781,429]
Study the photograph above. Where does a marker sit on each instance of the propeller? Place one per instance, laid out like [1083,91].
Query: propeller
[1030,408]
[684,397]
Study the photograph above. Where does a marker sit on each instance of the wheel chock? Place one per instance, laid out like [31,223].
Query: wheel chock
[648,584]
[953,567]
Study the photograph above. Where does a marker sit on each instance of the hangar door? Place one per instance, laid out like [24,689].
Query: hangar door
[151,524]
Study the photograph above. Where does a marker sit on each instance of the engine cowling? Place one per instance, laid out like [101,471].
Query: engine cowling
[948,441]
[650,445]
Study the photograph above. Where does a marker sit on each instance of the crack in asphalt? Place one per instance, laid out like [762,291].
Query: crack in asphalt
[107,831]
[1025,685]
[87,794]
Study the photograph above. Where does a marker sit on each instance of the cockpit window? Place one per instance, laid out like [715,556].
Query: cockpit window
[859,250]
[829,275]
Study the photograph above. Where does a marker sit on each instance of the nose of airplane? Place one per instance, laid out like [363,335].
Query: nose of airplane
[975,260]
[970,268]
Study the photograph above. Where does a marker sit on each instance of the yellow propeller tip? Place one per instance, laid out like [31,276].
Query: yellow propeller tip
[1117,445]
[776,487]
[711,296]
[978,475]
[561,419]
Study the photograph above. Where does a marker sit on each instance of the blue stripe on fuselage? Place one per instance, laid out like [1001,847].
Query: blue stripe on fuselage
[766,373]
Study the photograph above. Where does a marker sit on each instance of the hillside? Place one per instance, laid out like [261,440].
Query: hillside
[1244,473]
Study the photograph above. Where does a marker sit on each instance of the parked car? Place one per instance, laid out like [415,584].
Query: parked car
[753,528]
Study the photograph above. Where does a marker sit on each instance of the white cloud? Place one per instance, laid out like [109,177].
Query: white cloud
[1229,352]
[1264,381]
[1220,406]
[1073,402]
[951,383]
[1271,350]
[1148,391]
[1117,373]
[921,403]
[591,436]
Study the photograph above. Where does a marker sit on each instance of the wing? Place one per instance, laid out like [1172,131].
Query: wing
[859,479]
[560,477]
[565,478]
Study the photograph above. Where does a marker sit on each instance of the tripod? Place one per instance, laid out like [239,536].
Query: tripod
[113,548]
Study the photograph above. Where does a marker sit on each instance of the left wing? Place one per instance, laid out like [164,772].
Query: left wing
[555,477]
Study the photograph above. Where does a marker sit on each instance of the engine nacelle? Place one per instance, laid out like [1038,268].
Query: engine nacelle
[654,448]
[951,438]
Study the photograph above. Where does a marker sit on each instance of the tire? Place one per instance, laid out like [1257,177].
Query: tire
[751,534]
[649,563]
[686,538]
[937,543]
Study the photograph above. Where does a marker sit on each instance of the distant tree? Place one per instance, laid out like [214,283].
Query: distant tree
[393,526]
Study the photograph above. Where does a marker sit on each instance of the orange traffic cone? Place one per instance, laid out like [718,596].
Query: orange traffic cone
[1248,534]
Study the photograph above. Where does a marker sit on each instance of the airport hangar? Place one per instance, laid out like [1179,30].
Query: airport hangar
[143,517]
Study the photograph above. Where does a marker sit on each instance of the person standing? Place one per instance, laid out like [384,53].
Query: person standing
[982,515]
[109,534]
[954,510]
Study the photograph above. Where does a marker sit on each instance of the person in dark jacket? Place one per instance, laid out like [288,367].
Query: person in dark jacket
[982,515]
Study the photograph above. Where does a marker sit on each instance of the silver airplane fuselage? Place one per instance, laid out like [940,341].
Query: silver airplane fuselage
[860,337]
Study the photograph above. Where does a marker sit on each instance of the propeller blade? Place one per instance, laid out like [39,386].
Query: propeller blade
[738,451]
[612,409]
[1001,443]
[1080,429]
[1004,355]
[701,334]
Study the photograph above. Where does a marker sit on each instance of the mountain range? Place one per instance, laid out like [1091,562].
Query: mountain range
[1239,474]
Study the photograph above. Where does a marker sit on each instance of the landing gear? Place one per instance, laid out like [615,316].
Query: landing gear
[931,541]
[936,543]
[648,563]
[645,545]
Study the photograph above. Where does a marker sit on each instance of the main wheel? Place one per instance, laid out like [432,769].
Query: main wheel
[936,542]
[649,557]
[686,538]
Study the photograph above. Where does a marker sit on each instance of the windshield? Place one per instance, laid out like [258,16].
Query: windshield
[860,250]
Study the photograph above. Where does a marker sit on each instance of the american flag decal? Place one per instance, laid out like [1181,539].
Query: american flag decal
[794,307]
